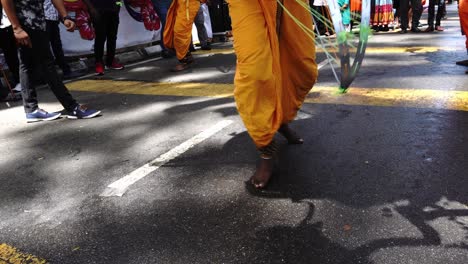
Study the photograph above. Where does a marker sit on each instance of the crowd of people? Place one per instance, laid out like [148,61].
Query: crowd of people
[177,18]
[385,14]
[30,41]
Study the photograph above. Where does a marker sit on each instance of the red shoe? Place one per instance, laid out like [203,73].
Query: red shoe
[439,28]
[99,68]
[115,65]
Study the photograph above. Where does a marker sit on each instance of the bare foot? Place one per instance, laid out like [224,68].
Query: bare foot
[184,63]
[292,137]
[263,173]
[180,67]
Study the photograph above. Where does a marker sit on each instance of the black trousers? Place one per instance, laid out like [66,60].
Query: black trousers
[106,26]
[431,11]
[39,57]
[8,46]
[416,5]
[56,43]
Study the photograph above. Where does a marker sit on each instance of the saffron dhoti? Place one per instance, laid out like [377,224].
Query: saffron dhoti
[276,66]
[178,30]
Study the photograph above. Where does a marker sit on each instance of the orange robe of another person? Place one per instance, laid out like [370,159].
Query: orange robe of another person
[179,21]
[463,13]
[356,6]
[275,71]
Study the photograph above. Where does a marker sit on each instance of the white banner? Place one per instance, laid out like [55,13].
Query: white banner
[139,24]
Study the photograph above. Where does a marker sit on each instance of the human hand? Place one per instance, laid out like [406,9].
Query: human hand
[69,25]
[22,37]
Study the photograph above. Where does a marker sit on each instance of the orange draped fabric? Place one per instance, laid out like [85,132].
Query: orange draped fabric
[275,71]
[463,12]
[356,5]
[179,21]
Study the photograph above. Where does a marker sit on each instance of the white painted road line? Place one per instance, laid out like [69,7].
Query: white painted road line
[119,187]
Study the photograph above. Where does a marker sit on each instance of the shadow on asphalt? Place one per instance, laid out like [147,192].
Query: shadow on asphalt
[352,161]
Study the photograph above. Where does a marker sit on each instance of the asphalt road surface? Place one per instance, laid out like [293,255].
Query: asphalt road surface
[160,176]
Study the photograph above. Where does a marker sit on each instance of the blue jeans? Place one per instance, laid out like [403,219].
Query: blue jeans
[161,7]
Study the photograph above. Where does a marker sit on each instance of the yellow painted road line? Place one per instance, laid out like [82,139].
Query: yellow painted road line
[11,255]
[148,88]
[413,49]
[390,97]
[369,50]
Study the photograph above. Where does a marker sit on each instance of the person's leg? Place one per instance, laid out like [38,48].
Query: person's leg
[161,7]
[8,45]
[318,17]
[42,56]
[26,59]
[53,31]
[416,5]
[111,36]
[206,16]
[404,8]
[440,13]
[258,78]
[298,65]
[183,27]
[201,30]
[100,31]
[463,13]
[430,15]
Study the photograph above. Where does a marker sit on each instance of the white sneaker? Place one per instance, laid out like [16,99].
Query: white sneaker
[18,88]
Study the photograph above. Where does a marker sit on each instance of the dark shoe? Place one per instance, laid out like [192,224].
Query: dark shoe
[429,29]
[206,47]
[384,28]
[41,115]
[82,112]
[192,48]
[415,30]
[462,63]
[403,31]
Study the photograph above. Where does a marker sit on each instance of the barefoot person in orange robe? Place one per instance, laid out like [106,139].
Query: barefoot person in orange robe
[463,13]
[276,69]
[178,30]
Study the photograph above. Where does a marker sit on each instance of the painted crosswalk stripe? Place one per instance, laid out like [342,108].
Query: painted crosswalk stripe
[119,187]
